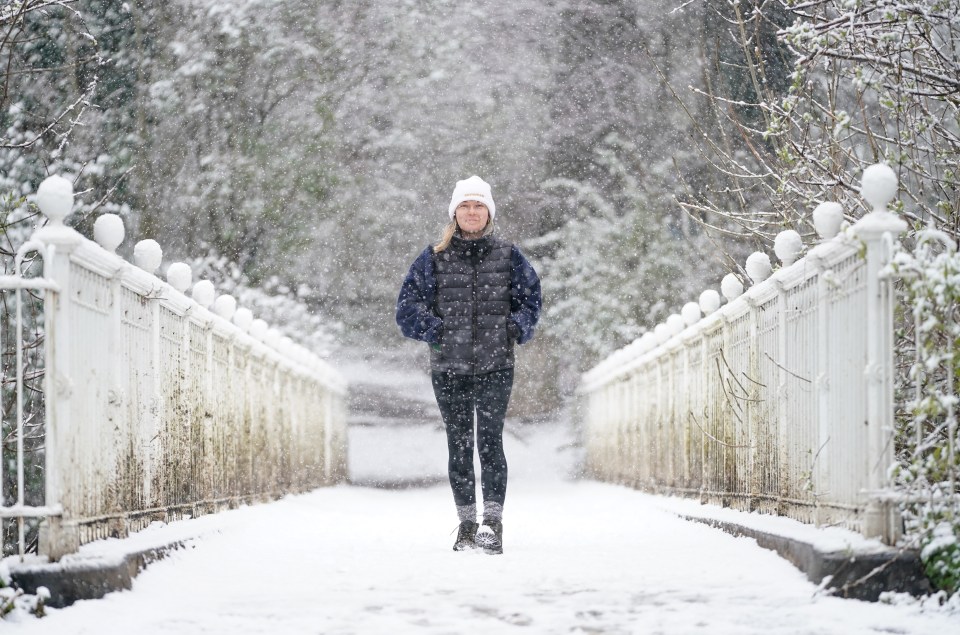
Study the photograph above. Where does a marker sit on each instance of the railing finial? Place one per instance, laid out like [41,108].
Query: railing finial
[691,313]
[148,255]
[108,231]
[55,198]
[204,293]
[675,324]
[258,329]
[243,318]
[878,186]
[179,276]
[709,301]
[788,246]
[827,219]
[225,306]
[731,286]
[758,266]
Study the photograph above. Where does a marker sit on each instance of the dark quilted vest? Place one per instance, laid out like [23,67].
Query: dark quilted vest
[473,299]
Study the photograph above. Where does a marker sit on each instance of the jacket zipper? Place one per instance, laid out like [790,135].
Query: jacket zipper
[476,310]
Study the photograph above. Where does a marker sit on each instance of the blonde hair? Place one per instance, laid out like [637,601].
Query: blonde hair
[450,229]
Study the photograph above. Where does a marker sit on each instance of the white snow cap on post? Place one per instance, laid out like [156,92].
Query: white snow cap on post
[204,293]
[108,231]
[258,329]
[225,306]
[758,266]
[55,198]
[179,276]
[788,246]
[647,341]
[691,313]
[272,337]
[675,324]
[148,255]
[878,186]
[661,333]
[827,218]
[243,318]
[731,286]
[709,301]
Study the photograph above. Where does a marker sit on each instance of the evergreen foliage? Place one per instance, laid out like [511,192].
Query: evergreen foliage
[616,250]
[928,466]
[616,266]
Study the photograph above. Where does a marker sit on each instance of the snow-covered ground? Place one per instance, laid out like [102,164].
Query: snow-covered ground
[580,557]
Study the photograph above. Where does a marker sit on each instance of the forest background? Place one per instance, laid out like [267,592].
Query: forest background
[309,148]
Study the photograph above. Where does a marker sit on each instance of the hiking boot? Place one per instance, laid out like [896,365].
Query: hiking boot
[490,537]
[465,536]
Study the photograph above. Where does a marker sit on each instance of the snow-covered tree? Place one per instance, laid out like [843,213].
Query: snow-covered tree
[619,253]
[234,132]
[617,266]
[873,80]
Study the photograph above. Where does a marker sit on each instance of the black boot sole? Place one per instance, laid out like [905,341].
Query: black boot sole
[465,547]
[492,548]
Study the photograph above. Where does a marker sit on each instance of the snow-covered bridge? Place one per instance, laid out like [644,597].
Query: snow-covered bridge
[580,556]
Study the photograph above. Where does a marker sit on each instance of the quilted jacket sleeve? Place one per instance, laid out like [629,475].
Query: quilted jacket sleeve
[525,296]
[415,315]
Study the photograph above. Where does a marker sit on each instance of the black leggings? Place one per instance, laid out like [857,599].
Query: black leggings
[458,396]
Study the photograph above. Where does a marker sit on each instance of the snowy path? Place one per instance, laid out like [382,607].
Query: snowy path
[580,557]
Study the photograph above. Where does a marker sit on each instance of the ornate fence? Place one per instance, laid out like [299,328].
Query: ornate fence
[779,401]
[157,408]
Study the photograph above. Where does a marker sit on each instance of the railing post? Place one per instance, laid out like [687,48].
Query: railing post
[114,446]
[878,230]
[637,432]
[754,422]
[149,439]
[754,418]
[705,397]
[684,422]
[821,468]
[187,481]
[58,535]
[622,441]
[656,453]
[787,470]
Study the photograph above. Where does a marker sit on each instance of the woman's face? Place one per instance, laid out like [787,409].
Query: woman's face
[472,217]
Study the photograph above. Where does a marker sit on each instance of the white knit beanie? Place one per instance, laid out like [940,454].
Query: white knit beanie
[472,189]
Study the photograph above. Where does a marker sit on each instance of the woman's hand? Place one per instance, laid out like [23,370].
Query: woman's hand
[513,331]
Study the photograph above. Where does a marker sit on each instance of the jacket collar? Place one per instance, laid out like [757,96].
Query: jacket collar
[473,249]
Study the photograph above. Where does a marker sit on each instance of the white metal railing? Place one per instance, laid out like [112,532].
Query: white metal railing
[779,401]
[157,408]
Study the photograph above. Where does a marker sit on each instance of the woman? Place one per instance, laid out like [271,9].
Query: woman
[472,296]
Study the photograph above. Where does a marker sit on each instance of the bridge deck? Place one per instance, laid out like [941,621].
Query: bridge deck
[579,557]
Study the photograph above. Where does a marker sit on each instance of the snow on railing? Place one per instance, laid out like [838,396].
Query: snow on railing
[156,407]
[779,401]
